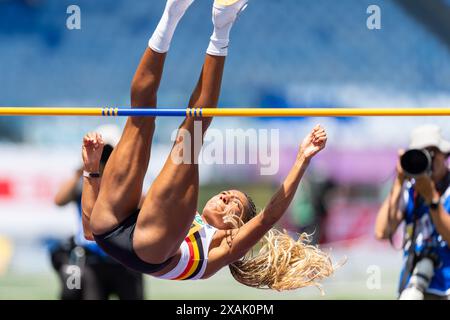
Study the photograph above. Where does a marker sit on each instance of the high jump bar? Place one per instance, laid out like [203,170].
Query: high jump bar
[221,112]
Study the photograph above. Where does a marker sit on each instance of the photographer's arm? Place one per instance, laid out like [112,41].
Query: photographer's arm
[441,220]
[68,190]
[390,216]
[440,216]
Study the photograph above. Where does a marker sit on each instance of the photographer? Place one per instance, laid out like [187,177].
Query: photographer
[420,197]
[101,275]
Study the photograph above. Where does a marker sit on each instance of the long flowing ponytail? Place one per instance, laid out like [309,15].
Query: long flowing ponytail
[282,263]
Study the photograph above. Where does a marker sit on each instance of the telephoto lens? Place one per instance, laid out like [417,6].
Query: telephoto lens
[420,280]
[416,162]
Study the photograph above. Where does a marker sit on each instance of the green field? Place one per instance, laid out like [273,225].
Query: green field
[222,286]
[349,281]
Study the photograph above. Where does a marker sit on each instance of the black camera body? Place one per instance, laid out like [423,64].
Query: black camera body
[417,162]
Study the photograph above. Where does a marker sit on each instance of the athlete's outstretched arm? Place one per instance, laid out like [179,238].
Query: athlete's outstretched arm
[249,234]
[91,153]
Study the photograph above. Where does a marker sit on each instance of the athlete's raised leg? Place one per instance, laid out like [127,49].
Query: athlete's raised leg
[121,187]
[171,203]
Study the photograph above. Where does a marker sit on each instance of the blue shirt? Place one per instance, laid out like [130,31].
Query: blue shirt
[427,236]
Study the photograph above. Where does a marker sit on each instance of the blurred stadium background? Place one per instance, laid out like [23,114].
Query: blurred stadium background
[284,53]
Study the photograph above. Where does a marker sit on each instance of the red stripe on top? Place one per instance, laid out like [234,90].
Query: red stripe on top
[191,259]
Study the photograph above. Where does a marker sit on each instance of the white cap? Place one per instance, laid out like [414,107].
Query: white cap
[110,133]
[429,136]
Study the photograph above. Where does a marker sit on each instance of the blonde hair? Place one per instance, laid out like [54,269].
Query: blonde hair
[282,263]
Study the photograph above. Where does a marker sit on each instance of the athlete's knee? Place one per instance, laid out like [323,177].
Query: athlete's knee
[98,220]
[93,222]
[144,91]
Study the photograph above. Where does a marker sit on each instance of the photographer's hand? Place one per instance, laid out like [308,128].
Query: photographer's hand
[441,219]
[427,189]
[400,173]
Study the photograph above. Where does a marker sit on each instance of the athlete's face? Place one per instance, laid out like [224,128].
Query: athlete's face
[220,208]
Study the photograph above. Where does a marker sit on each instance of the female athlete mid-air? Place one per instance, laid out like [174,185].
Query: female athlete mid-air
[164,235]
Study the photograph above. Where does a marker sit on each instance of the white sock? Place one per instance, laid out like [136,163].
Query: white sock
[223,20]
[173,12]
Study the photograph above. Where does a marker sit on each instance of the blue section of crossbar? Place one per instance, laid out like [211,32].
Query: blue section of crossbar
[152,112]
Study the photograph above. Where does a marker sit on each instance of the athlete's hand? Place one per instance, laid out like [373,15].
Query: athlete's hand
[92,151]
[313,143]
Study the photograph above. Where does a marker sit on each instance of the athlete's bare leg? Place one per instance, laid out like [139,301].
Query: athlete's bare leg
[171,203]
[121,187]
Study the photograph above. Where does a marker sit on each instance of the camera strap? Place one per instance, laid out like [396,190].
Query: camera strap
[412,257]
